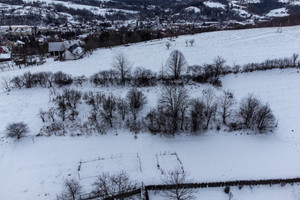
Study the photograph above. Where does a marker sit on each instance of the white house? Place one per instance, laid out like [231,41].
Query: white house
[74,52]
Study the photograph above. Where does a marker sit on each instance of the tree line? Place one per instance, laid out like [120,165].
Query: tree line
[175,71]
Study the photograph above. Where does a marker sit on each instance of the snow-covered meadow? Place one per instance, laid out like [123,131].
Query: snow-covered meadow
[35,167]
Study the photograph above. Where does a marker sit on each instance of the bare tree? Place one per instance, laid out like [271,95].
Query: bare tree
[28,80]
[42,114]
[174,101]
[178,192]
[122,108]
[135,100]
[122,183]
[196,114]
[108,110]
[294,59]
[192,41]
[109,185]
[61,107]
[168,45]
[264,117]
[159,120]
[176,63]
[210,105]
[72,97]
[247,110]
[66,103]
[51,114]
[102,186]
[17,130]
[122,66]
[94,100]
[218,67]
[60,79]
[226,103]
[72,190]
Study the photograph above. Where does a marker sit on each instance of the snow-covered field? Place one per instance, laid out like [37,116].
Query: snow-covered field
[35,167]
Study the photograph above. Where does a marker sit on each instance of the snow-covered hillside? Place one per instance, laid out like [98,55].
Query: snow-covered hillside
[94,9]
[236,47]
[35,167]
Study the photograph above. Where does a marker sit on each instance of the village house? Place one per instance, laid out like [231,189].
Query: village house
[5,54]
[67,50]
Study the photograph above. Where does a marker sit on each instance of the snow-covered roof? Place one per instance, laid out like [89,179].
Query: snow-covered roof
[214,4]
[20,42]
[280,12]
[56,46]
[193,8]
[4,56]
[5,49]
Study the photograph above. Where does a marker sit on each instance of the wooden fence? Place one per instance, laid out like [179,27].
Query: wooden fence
[144,190]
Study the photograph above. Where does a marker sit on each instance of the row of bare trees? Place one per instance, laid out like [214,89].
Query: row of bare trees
[106,110]
[175,112]
[175,71]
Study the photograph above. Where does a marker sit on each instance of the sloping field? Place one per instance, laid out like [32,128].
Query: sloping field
[236,47]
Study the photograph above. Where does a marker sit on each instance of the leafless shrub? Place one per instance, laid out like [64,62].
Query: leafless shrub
[264,117]
[247,110]
[168,45]
[192,41]
[109,185]
[17,130]
[6,84]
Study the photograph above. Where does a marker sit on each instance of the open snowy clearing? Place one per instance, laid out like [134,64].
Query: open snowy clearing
[35,167]
[31,170]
